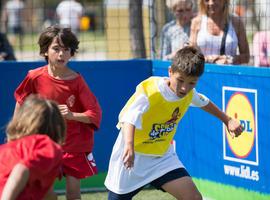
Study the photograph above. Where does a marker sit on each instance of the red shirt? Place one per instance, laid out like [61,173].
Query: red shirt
[76,95]
[40,155]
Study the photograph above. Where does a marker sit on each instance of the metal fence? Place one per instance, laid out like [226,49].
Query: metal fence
[105,26]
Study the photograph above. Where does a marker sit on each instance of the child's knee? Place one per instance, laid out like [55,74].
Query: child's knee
[73,196]
[198,196]
[73,188]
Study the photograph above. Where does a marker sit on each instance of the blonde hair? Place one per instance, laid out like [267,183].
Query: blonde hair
[226,9]
[173,3]
[37,116]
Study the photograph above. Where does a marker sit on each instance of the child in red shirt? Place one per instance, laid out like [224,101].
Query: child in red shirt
[32,159]
[78,105]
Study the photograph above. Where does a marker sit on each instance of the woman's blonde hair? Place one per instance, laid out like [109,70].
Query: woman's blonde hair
[226,9]
[37,116]
[171,4]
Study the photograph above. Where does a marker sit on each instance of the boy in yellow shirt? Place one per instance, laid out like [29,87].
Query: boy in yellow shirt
[143,153]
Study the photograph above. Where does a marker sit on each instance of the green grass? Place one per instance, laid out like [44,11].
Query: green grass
[92,42]
[89,41]
[219,191]
[91,182]
[147,194]
[97,182]
[209,189]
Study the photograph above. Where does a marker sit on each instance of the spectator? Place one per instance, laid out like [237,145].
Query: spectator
[6,50]
[261,48]
[69,13]
[219,33]
[262,8]
[13,16]
[176,33]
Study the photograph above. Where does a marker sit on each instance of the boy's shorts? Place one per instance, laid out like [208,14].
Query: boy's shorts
[157,183]
[170,176]
[79,165]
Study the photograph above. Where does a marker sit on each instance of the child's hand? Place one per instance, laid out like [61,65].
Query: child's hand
[128,156]
[234,127]
[2,56]
[65,111]
[211,58]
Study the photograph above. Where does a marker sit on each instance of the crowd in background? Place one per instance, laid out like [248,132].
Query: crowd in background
[68,13]
[220,34]
[219,31]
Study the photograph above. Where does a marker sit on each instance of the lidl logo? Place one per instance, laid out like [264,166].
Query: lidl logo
[241,104]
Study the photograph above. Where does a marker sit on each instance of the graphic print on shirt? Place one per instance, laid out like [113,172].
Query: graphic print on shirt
[160,130]
[70,101]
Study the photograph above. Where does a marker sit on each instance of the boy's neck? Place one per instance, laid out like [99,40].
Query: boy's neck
[63,73]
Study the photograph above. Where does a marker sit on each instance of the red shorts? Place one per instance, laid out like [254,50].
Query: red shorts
[79,165]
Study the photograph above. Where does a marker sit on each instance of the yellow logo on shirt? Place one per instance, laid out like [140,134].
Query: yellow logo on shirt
[161,130]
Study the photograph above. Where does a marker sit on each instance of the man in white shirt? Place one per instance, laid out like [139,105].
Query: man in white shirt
[69,13]
[262,13]
[13,16]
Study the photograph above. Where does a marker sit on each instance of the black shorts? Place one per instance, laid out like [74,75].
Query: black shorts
[157,183]
[170,176]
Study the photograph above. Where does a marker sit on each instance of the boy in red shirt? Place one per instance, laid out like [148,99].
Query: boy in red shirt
[78,105]
[31,159]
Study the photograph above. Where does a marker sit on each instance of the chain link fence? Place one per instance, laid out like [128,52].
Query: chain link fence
[105,31]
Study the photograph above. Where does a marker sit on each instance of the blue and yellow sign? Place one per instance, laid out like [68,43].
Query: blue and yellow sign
[241,104]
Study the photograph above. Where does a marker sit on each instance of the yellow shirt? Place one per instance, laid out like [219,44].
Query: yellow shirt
[159,122]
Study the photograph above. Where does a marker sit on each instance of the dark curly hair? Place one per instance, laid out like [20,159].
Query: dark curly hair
[63,35]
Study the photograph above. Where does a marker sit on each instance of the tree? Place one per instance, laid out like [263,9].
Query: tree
[136,29]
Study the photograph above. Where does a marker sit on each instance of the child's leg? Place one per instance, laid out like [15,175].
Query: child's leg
[73,188]
[179,184]
[51,195]
[183,188]
[127,196]
[77,166]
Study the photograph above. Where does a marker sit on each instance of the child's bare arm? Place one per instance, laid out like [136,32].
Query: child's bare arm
[233,126]
[128,154]
[67,114]
[16,182]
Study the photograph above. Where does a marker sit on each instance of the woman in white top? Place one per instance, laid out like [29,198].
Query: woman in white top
[220,35]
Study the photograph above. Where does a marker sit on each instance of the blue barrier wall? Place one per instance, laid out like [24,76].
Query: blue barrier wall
[201,141]
[113,82]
